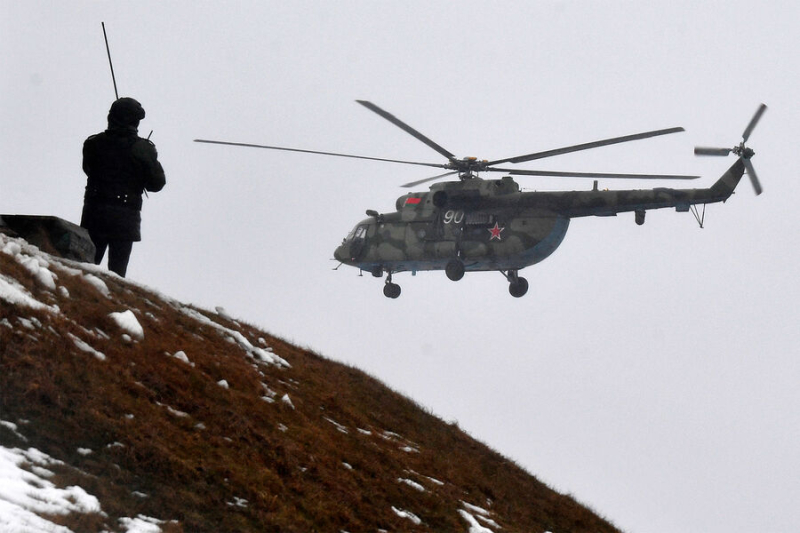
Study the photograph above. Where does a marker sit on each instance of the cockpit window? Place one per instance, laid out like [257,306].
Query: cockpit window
[359,232]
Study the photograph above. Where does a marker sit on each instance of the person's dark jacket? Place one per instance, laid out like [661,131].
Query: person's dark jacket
[120,166]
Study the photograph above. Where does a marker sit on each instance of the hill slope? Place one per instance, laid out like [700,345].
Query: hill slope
[122,409]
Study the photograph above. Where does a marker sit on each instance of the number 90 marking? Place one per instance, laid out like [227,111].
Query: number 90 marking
[454,217]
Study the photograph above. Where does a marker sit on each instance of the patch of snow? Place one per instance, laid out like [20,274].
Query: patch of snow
[39,270]
[141,524]
[67,270]
[269,392]
[339,427]
[85,451]
[15,294]
[13,428]
[25,495]
[12,248]
[98,284]
[288,401]
[181,356]
[474,525]
[175,412]
[434,480]
[224,384]
[82,346]
[475,508]
[223,313]
[489,522]
[127,321]
[412,484]
[409,515]
[234,337]
[238,502]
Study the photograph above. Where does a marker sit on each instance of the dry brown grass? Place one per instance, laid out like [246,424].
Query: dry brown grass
[169,442]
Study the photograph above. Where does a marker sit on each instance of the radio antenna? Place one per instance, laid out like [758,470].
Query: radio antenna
[110,64]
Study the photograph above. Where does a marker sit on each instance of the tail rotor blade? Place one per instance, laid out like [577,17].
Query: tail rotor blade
[753,177]
[711,151]
[753,122]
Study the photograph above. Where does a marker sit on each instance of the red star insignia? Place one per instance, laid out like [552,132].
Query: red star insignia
[495,231]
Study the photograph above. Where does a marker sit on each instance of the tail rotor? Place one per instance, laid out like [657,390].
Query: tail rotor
[741,150]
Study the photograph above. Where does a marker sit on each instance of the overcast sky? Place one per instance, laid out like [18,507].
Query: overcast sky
[652,371]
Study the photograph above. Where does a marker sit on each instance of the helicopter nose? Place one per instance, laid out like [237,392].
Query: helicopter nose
[339,254]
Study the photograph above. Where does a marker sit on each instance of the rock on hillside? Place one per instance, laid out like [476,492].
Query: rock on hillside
[124,410]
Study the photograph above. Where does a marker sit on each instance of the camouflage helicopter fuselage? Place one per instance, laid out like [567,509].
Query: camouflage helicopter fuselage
[492,225]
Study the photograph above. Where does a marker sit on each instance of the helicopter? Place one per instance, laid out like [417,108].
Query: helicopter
[475,224]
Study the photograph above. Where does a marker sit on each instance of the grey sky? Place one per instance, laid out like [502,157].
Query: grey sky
[650,371]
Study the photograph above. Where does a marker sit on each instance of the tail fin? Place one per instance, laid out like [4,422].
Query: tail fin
[725,186]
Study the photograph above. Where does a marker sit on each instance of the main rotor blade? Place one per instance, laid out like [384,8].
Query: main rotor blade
[753,122]
[434,165]
[701,150]
[559,174]
[586,146]
[405,127]
[420,182]
[753,177]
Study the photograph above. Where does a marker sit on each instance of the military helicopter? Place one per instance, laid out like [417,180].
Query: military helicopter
[477,224]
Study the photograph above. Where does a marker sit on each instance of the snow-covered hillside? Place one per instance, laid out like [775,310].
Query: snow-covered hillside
[124,410]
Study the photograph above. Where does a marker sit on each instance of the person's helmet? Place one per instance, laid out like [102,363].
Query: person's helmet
[125,112]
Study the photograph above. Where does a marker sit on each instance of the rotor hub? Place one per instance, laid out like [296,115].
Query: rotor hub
[743,151]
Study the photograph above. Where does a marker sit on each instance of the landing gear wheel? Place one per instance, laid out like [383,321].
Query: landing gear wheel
[454,269]
[391,290]
[518,287]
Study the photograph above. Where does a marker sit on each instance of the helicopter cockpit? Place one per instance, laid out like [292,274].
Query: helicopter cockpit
[357,233]
[353,246]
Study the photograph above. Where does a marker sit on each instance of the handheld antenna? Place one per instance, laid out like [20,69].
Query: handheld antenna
[110,64]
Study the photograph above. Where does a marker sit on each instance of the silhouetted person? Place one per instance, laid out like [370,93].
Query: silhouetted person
[120,166]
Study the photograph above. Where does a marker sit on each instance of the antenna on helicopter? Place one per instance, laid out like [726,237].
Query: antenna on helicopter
[741,150]
[110,64]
